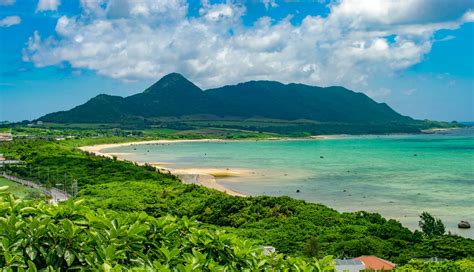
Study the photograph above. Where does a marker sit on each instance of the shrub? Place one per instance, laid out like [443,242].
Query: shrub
[35,235]
[430,225]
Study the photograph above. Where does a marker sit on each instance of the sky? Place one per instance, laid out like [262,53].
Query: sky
[415,55]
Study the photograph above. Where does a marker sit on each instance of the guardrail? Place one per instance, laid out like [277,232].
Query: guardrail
[56,194]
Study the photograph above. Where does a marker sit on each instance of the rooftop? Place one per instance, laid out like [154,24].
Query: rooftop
[376,263]
[348,262]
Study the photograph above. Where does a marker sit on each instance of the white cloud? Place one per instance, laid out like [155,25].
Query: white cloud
[45,5]
[357,42]
[447,38]
[410,91]
[10,21]
[364,12]
[222,12]
[7,2]
[468,16]
[172,8]
[379,93]
[270,4]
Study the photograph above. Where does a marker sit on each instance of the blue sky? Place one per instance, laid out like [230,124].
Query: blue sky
[416,55]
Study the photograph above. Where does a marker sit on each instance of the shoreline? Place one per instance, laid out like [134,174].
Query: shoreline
[97,148]
[207,177]
[211,177]
[200,176]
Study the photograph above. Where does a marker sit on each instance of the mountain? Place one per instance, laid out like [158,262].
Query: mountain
[100,109]
[175,97]
[275,100]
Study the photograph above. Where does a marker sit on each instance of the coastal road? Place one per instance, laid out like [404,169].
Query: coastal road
[56,194]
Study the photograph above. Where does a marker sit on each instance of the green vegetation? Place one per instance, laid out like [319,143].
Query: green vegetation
[19,190]
[72,237]
[174,103]
[53,131]
[292,226]
[56,131]
[308,128]
[466,265]
[430,225]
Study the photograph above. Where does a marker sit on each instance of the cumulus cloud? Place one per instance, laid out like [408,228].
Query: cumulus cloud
[222,12]
[357,42]
[366,12]
[10,21]
[45,5]
[269,4]
[468,16]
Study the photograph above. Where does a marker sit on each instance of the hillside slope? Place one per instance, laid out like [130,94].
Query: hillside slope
[175,96]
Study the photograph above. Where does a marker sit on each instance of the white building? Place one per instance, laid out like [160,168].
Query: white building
[344,265]
[268,250]
[6,136]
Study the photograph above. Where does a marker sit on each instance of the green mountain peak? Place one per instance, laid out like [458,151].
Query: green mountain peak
[173,82]
[175,97]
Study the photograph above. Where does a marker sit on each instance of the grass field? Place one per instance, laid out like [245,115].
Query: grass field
[19,190]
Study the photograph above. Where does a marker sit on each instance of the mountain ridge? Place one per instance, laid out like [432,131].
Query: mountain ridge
[175,96]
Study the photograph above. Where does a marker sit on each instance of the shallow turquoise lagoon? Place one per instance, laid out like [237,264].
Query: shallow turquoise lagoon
[397,176]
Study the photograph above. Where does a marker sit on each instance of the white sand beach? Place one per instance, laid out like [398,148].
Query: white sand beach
[200,176]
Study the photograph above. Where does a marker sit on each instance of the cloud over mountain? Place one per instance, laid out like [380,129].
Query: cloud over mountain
[355,42]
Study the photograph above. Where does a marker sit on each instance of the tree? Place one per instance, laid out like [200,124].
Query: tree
[312,247]
[430,225]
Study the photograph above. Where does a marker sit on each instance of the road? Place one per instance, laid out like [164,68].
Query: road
[56,194]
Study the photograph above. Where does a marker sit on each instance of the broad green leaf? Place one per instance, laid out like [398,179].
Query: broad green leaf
[69,257]
[31,252]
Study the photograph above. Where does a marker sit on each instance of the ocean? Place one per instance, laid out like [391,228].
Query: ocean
[398,176]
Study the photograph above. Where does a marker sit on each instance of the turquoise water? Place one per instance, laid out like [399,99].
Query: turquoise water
[397,176]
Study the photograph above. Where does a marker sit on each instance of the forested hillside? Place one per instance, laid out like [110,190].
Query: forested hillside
[174,98]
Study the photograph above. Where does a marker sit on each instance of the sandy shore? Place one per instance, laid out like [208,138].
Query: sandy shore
[434,130]
[97,149]
[200,176]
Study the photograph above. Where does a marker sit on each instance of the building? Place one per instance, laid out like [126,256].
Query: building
[7,136]
[4,161]
[376,263]
[12,162]
[363,263]
[348,265]
[268,250]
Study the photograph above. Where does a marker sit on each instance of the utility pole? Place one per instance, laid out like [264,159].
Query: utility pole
[74,188]
[65,185]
